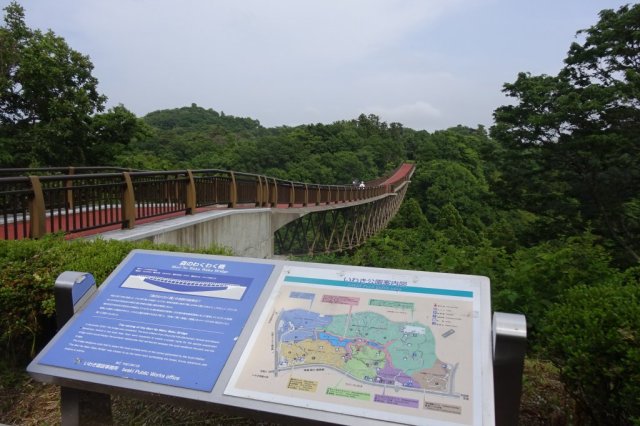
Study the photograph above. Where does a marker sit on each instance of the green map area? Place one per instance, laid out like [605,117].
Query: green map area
[365,345]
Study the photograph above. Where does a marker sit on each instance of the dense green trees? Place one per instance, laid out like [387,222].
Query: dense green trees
[571,157]
[194,137]
[47,93]
[48,98]
[580,128]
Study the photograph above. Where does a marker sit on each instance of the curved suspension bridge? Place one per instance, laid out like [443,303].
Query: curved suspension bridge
[81,202]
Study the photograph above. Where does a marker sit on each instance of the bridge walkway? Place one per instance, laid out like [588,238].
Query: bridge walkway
[83,203]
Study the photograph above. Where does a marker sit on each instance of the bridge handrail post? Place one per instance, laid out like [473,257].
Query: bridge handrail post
[258,182]
[292,194]
[191,203]
[233,191]
[305,203]
[37,210]
[128,202]
[259,190]
[72,290]
[69,186]
[170,189]
[509,348]
[266,194]
[274,195]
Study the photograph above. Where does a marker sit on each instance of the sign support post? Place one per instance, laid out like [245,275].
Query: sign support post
[72,290]
[509,347]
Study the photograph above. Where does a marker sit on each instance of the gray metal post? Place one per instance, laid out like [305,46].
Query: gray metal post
[509,347]
[72,290]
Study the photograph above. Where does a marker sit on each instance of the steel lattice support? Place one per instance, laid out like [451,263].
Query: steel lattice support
[338,229]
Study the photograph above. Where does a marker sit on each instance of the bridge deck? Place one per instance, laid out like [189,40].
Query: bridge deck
[93,203]
[89,217]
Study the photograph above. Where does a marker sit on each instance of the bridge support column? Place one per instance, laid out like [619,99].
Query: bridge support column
[246,232]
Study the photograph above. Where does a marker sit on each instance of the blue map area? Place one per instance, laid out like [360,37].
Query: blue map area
[334,340]
[299,324]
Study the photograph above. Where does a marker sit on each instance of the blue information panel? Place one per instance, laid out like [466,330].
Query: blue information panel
[165,319]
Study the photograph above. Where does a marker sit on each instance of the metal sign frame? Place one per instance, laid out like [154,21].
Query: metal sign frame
[219,397]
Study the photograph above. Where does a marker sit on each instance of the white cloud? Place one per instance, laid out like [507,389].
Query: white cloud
[415,115]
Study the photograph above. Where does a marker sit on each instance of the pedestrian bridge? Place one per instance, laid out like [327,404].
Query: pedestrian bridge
[253,215]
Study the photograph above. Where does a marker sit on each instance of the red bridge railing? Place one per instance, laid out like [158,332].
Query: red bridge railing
[89,199]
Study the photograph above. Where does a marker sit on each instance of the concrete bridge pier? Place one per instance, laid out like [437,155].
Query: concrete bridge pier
[248,233]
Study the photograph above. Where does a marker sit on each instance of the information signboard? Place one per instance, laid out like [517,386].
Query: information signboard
[340,344]
[163,319]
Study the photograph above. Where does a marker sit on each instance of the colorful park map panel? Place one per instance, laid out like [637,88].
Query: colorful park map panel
[365,346]
[393,348]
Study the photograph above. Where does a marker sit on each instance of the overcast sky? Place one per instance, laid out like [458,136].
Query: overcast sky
[428,64]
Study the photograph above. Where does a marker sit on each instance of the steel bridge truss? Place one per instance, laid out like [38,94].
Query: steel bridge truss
[339,229]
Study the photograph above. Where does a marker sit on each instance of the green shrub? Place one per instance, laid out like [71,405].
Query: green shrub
[594,338]
[540,276]
[28,270]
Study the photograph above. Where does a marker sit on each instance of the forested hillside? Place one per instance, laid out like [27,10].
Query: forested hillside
[546,202]
[194,137]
